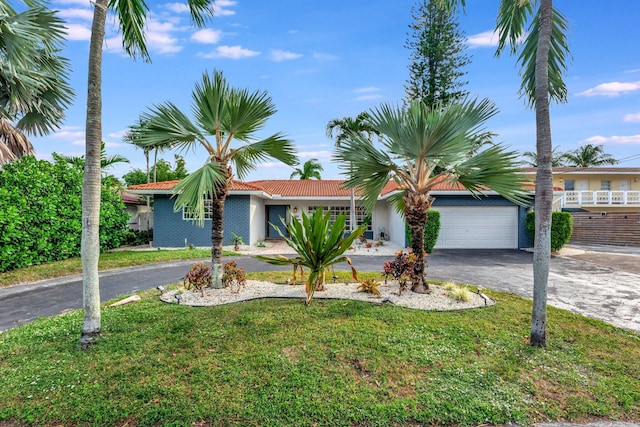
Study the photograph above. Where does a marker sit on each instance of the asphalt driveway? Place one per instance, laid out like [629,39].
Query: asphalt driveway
[605,292]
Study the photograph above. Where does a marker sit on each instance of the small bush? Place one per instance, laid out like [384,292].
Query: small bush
[369,286]
[561,228]
[236,240]
[136,238]
[233,277]
[431,231]
[401,269]
[199,277]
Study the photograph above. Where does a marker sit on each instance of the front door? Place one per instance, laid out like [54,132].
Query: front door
[274,213]
[624,185]
[583,185]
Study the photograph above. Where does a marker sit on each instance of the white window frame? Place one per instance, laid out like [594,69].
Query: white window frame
[187,212]
[337,210]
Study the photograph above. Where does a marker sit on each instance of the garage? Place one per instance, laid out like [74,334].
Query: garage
[478,227]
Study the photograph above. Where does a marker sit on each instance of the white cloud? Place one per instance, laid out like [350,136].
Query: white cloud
[207,36]
[320,56]
[78,2]
[177,7]
[78,32]
[292,32]
[485,39]
[86,14]
[231,52]
[612,89]
[488,39]
[367,89]
[320,155]
[613,140]
[279,55]
[633,118]
[120,134]
[109,144]
[69,133]
[220,7]
[368,97]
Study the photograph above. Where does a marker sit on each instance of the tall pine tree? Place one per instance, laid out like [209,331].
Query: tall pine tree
[438,55]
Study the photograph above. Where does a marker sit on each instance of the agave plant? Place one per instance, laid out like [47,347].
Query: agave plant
[319,245]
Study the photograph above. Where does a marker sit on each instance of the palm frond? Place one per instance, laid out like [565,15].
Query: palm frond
[512,18]
[558,56]
[167,126]
[201,12]
[196,187]
[276,146]
[132,16]
[13,143]
[209,100]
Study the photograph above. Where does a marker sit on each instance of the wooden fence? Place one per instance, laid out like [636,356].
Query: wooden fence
[612,228]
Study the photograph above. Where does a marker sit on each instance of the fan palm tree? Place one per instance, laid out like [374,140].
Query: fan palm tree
[34,87]
[414,142]
[226,114]
[339,129]
[589,155]
[132,16]
[310,170]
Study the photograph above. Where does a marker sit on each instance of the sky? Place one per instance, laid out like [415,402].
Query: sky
[321,60]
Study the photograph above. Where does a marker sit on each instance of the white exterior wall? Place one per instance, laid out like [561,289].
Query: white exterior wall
[396,228]
[257,219]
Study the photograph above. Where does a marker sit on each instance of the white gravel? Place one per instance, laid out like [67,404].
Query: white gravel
[436,300]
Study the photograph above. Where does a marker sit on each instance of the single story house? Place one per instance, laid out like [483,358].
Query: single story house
[490,221]
[140,215]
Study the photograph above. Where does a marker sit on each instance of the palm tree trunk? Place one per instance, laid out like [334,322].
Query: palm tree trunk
[90,245]
[544,183]
[217,236]
[416,212]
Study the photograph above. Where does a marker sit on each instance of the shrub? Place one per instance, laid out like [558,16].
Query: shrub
[431,231]
[199,277]
[369,286]
[561,228]
[236,240]
[460,293]
[401,268]
[136,238]
[233,277]
[41,214]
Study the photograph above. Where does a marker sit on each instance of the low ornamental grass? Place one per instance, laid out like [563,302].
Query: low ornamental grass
[275,362]
[108,261]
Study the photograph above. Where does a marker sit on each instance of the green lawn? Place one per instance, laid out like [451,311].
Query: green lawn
[108,261]
[275,362]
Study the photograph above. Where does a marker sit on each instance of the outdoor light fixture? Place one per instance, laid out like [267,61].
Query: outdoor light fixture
[295,209]
[161,289]
[178,297]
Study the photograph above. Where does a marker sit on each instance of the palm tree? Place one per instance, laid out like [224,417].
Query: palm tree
[132,15]
[557,158]
[310,170]
[415,141]
[106,161]
[340,128]
[34,87]
[226,114]
[543,58]
[589,155]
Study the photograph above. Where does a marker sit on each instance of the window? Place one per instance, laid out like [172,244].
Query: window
[569,185]
[188,214]
[605,185]
[337,210]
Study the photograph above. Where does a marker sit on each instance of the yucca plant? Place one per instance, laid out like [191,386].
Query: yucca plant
[319,245]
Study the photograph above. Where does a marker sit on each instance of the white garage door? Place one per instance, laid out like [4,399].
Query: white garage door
[474,227]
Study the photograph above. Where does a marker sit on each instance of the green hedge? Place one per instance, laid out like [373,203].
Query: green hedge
[431,231]
[561,228]
[41,215]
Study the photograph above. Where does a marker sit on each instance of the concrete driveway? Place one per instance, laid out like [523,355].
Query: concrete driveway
[604,292]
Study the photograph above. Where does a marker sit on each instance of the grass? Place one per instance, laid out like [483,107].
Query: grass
[108,261]
[275,362]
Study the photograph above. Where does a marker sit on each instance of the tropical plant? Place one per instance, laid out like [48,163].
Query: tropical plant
[233,277]
[319,245]
[227,114]
[589,155]
[198,277]
[237,241]
[106,161]
[310,170]
[132,16]
[558,158]
[437,57]
[402,268]
[414,142]
[34,86]
[369,286]
[431,231]
[339,129]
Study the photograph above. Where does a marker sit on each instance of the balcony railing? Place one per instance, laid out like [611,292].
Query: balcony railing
[601,198]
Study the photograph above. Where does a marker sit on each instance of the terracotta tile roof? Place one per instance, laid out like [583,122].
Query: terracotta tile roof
[300,188]
[131,199]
